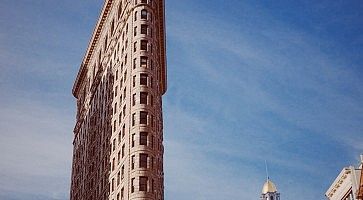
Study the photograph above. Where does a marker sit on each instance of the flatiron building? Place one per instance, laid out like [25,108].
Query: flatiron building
[118,135]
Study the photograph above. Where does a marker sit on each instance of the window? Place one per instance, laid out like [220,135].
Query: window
[143,160]
[133,81]
[135,46]
[143,117]
[119,10]
[143,1]
[122,171]
[152,142]
[123,130]
[118,157]
[143,61]
[133,99]
[118,179]
[135,30]
[135,17]
[113,184]
[151,100]
[143,45]
[152,120]
[144,14]
[134,64]
[143,138]
[152,162]
[123,150]
[132,162]
[143,79]
[152,185]
[133,140]
[133,119]
[105,43]
[132,185]
[143,97]
[113,164]
[113,144]
[143,183]
[144,29]
[112,26]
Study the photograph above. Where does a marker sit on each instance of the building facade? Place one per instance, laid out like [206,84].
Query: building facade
[346,185]
[118,136]
[269,191]
[360,191]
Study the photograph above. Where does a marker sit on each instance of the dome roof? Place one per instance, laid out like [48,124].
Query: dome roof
[269,186]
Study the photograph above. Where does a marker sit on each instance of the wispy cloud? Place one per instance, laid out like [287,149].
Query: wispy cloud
[37,142]
[245,85]
[261,91]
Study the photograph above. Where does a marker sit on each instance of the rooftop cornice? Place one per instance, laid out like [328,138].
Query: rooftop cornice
[161,15]
[91,46]
[339,181]
[96,36]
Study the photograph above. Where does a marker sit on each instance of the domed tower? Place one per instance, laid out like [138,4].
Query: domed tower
[269,191]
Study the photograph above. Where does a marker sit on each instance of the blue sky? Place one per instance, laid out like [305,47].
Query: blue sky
[248,81]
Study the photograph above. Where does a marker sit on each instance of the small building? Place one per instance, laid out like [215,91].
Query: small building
[346,185]
[269,191]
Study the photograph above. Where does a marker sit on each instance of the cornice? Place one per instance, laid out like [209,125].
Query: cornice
[91,46]
[161,15]
[96,37]
[338,181]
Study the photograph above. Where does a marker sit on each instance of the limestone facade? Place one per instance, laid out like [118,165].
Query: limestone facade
[346,185]
[118,136]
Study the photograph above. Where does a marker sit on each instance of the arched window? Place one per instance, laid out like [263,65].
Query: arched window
[144,14]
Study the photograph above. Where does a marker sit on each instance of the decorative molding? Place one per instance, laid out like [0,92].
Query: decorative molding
[92,44]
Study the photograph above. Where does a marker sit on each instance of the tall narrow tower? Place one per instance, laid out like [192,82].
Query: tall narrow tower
[118,136]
